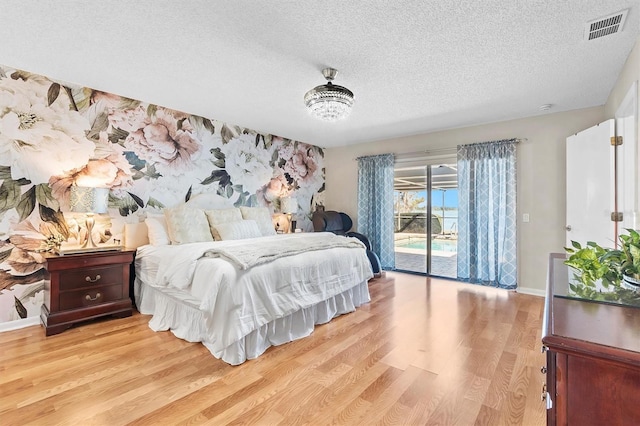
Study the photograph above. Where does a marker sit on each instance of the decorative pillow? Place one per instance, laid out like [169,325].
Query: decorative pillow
[219,216]
[262,217]
[187,225]
[238,230]
[157,230]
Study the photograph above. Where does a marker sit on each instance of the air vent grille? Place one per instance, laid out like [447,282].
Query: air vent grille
[605,26]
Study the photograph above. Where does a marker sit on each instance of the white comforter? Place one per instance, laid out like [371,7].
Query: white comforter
[236,302]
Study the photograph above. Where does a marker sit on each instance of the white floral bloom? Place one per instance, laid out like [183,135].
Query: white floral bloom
[129,120]
[38,141]
[285,150]
[246,163]
[207,139]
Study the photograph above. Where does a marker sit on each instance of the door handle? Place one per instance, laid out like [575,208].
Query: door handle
[568,227]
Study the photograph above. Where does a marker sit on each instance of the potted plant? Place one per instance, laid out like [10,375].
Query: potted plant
[617,271]
[630,268]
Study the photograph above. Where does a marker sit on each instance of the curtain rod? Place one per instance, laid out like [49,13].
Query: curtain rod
[441,151]
[451,149]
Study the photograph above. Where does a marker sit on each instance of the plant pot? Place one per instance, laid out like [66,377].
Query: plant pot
[630,283]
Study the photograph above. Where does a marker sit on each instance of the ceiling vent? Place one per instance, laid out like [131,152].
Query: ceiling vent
[605,26]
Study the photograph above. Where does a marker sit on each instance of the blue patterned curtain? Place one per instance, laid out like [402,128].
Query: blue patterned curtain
[375,205]
[487,213]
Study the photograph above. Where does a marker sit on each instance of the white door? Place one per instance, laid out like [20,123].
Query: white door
[591,186]
[627,161]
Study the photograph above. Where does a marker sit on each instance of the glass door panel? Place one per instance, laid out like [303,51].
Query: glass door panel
[426,219]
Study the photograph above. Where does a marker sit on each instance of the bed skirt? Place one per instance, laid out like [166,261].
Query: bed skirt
[177,311]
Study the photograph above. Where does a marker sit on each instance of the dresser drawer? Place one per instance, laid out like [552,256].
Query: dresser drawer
[89,277]
[90,297]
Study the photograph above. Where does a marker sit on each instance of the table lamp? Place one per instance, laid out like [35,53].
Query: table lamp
[289,205]
[91,201]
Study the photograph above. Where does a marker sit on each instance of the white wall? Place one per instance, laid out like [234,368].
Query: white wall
[630,73]
[541,178]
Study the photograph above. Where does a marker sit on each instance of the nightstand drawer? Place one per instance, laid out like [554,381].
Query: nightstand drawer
[87,277]
[89,297]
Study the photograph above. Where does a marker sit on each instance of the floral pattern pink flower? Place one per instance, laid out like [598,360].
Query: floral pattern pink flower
[303,163]
[161,142]
[276,188]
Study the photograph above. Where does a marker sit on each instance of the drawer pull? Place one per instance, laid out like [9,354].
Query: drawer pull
[92,280]
[91,299]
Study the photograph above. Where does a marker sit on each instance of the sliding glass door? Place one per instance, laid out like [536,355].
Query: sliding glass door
[426,219]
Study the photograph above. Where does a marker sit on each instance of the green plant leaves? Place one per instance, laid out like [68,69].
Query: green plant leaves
[27,203]
[118,135]
[208,125]
[219,161]
[594,264]
[45,197]
[9,195]
[227,133]
[217,176]
[100,123]
[20,309]
[52,93]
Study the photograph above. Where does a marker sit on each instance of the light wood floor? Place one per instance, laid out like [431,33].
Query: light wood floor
[424,351]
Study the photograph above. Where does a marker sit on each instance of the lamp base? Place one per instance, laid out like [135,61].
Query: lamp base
[90,221]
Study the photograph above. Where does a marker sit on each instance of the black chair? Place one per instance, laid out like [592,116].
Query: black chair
[340,223]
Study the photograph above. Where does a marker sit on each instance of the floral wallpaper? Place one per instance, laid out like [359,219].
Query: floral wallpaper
[54,135]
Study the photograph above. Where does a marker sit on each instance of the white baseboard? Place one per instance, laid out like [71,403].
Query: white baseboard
[21,323]
[531,291]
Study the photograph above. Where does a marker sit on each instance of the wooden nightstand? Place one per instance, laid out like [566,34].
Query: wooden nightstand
[85,286]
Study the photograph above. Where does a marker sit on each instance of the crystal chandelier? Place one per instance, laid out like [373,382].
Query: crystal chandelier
[329,102]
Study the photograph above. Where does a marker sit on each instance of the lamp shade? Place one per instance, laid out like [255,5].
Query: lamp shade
[85,199]
[289,205]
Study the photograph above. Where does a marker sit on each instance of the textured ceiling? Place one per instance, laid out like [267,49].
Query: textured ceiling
[415,66]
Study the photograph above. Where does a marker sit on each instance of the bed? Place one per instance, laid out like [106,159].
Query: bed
[241,296]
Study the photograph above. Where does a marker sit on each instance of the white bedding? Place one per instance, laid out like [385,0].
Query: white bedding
[240,308]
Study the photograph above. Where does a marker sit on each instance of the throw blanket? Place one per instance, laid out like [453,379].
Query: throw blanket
[246,256]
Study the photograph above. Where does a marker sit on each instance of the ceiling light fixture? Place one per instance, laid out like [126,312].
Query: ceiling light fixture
[329,102]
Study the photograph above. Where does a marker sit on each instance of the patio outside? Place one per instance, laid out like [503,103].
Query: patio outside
[410,243]
[443,263]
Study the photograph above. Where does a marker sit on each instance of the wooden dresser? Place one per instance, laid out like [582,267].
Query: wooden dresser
[593,357]
[85,286]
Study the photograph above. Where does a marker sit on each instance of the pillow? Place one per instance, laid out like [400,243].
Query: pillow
[262,217]
[238,230]
[187,225]
[157,230]
[220,216]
